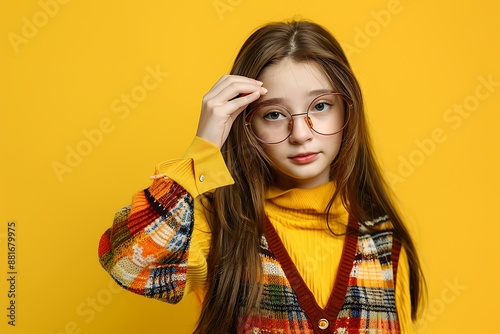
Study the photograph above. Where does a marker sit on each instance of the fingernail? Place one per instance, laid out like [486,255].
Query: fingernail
[264,89]
[157,176]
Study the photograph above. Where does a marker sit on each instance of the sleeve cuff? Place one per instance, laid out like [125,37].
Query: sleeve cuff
[201,169]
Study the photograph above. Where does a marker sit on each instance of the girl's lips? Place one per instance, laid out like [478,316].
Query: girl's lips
[304,158]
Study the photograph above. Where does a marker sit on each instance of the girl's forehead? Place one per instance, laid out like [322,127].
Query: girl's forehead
[289,79]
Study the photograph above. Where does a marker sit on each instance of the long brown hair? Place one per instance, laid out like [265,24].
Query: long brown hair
[237,211]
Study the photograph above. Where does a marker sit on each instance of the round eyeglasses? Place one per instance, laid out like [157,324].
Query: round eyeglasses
[327,115]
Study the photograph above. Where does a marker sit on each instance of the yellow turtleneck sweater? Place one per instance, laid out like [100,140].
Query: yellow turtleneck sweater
[297,216]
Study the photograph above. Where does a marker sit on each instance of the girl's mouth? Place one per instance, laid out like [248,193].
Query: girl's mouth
[304,158]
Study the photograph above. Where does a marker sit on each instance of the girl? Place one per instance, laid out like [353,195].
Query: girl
[277,217]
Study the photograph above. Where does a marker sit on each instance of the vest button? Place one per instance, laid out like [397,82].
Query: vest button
[323,323]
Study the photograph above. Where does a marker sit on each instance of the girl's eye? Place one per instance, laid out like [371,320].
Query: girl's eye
[322,106]
[274,115]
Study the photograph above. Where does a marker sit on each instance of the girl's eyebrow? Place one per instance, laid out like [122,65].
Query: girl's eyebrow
[317,92]
[280,100]
[274,100]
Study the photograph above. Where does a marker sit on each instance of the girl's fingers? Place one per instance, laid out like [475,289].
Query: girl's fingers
[241,102]
[230,81]
[223,103]
[236,90]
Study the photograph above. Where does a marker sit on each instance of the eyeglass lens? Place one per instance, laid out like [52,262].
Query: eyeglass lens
[274,123]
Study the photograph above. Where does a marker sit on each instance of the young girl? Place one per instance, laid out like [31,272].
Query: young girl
[277,216]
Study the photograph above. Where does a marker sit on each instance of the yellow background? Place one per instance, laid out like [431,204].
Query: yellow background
[67,67]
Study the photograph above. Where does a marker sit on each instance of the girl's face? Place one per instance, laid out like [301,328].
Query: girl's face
[303,159]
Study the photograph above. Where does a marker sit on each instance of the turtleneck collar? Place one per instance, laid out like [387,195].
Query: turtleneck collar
[305,208]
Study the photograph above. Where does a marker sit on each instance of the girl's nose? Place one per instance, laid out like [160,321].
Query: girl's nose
[302,130]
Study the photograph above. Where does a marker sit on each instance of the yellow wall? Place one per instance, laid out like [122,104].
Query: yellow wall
[77,77]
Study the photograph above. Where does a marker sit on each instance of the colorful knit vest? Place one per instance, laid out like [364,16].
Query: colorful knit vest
[147,250]
[363,298]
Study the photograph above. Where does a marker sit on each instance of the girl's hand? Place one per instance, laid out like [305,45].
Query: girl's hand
[223,103]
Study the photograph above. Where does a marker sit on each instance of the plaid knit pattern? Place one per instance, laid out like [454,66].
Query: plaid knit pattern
[370,302]
[280,310]
[367,305]
[147,248]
